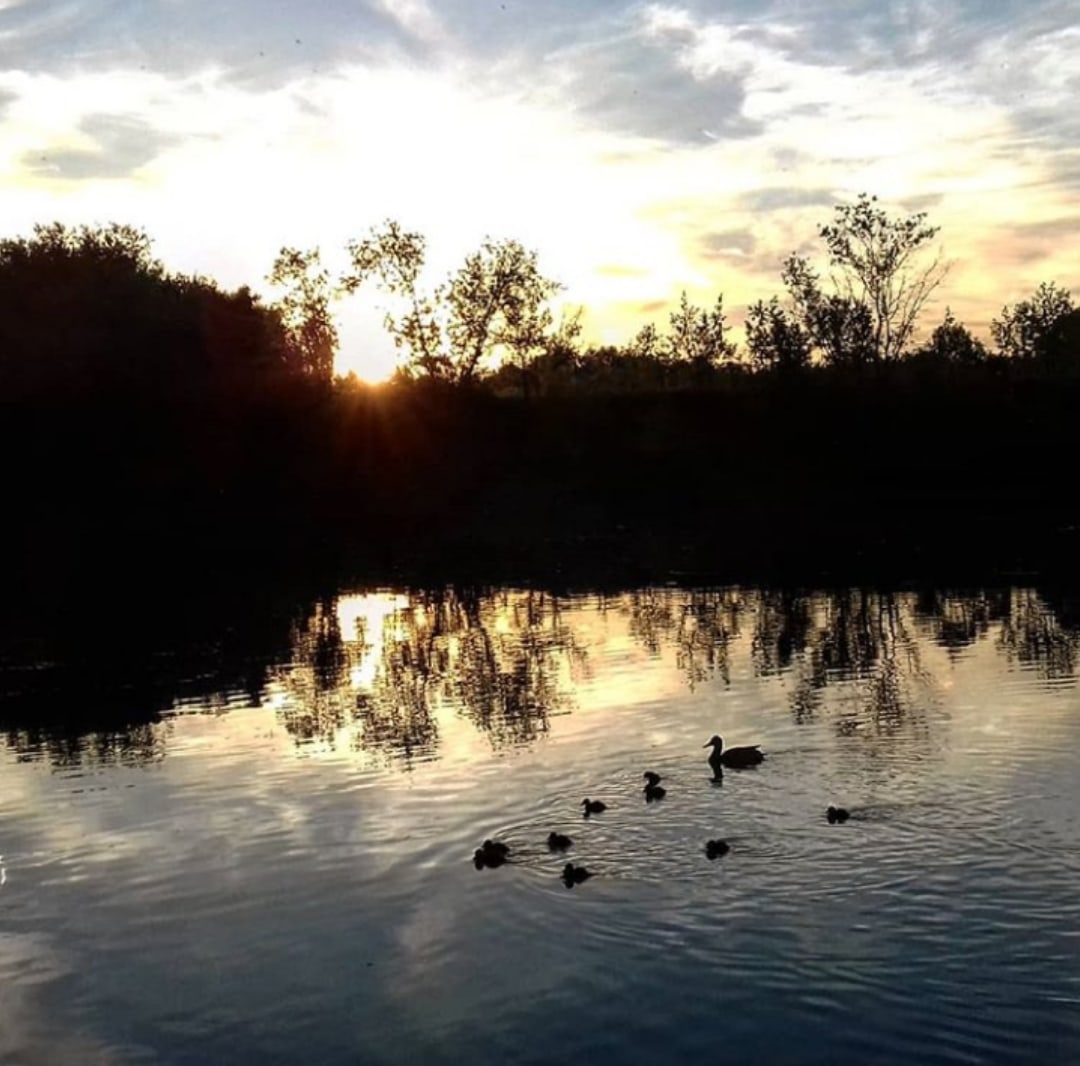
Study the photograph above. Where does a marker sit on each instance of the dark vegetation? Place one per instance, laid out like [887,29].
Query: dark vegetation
[159,431]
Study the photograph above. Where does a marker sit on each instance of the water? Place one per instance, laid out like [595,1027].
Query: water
[270,862]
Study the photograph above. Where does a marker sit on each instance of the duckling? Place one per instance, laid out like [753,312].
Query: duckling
[558,842]
[651,779]
[715,848]
[574,875]
[837,814]
[593,806]
[734,758]
[482,858]
[654,793]
[496,847]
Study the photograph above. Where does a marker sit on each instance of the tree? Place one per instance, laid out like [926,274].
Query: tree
[89,311]
[305,310]
[879,284]
[495,305]
[876,259]
[841,327]
[699,336]
[775,339]
[498,300]
[1034,328]
[952,342]
[395,258]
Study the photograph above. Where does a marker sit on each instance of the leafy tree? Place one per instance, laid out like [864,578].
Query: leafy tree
[305,310]
[841,327]
[875,256]
[774,338]
[496,304]
[699,336]
[89,311]
[953,342]
[395,258]
[879,284]
[498,300]
[1034,328]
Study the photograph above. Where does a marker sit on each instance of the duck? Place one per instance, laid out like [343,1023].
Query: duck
[837,814]
[496,847]
[593,806]
[558,841]
[482,858]
[654,792]
[574,875]
[715,848]
[651,779]
[734,758]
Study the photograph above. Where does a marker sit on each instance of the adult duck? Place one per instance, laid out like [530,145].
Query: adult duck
[733,758]
[593,806]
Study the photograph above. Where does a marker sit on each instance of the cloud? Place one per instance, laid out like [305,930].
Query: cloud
[121,145]
[725,244]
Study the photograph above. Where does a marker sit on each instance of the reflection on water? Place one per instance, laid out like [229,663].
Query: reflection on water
[271,860]
[376,672]
[507,661]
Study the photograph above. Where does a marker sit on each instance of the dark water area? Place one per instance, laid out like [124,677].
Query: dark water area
[240,828]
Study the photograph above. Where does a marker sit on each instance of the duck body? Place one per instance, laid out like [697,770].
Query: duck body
[715,848]
[491,853]
[593,807]
[654,793]
[837,815]
[574,875]
[482,858]
[733,758]
[558,841]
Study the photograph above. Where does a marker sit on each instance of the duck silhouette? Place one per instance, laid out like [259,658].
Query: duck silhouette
[654,793]
[837,815]
[593,806]
[491,853]
[558,842]
[715,848]
[574,875]
[484,858]
[652,779]
[733,758]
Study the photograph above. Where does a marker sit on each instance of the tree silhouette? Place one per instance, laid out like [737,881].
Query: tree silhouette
[305,310]
[1037,327]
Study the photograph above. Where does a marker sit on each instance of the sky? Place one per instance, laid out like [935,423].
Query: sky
[640,148]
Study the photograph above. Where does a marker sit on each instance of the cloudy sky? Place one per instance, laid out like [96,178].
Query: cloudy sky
[640,148]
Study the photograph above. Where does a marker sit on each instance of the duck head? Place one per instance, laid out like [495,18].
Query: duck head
[717,743]
[651,779]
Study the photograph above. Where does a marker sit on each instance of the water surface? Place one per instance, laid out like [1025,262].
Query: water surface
[271,863]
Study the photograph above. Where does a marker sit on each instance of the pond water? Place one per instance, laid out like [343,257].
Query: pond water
[272,863]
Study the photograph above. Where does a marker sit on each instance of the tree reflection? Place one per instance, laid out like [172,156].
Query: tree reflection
[498,659]
[392,674]
[1032,636]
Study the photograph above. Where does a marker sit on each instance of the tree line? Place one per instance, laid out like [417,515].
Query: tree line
[89,310]
[492,319]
